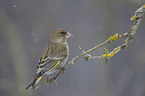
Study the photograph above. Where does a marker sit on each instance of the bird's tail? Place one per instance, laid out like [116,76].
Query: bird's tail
[33,84]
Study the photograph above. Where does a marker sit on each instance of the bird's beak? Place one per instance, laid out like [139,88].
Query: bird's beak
[68,35]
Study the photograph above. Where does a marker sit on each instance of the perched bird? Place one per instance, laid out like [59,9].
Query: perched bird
[53,57]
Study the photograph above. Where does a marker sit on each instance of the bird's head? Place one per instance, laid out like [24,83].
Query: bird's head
[59,35]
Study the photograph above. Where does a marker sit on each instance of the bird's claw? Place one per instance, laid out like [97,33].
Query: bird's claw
[51,79]
[62,69]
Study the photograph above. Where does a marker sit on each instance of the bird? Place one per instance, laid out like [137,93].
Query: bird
[53,57]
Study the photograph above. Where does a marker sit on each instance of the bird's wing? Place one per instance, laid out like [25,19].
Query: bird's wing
[49,63]
[44,62]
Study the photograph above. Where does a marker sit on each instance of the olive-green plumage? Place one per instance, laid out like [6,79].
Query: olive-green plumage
[53,56]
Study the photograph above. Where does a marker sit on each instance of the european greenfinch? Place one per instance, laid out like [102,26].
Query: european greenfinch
[53,57]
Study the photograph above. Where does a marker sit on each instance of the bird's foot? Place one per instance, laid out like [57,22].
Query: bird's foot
[62,69]
[51,79]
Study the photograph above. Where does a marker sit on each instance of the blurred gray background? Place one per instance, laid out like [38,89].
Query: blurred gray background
[25,26]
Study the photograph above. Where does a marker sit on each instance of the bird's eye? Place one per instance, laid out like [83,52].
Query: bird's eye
[63,32]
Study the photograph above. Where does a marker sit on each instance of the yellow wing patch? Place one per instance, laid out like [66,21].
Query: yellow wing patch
[38,80]
[43,57]
[55,65]
[39,69]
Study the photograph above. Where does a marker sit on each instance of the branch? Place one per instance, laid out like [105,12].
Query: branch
[107,55]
